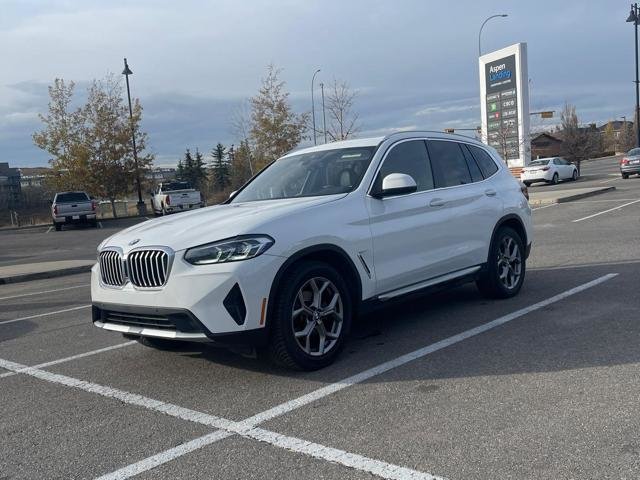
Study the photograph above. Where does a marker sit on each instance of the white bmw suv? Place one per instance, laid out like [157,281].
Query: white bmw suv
[313,239]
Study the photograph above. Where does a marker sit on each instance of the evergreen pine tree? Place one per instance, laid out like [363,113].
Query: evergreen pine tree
[220,168]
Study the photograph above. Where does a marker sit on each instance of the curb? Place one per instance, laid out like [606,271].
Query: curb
[570,198]
[100,220]
[27,277]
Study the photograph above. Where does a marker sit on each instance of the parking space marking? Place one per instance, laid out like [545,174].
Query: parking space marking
[46,314]
[611,179]
[48,230]
[545,206]
[42,292]
[73,357]
[606,211]
[245,427]
[351,460]
[100,224]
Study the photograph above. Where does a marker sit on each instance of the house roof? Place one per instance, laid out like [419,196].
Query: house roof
[547,135]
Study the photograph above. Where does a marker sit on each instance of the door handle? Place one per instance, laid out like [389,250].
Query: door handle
[437,202]
[490,192]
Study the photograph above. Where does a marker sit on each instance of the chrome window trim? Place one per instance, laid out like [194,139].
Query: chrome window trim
[425,139]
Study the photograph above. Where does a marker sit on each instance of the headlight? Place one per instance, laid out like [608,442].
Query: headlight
[229,250]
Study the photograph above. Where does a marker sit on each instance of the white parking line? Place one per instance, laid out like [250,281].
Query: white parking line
[606,211]
[42,292]
[359,462]
[46,314]
[48,230]
[611,180]
[100,224]
[545,206]
[247,428]
[74,357]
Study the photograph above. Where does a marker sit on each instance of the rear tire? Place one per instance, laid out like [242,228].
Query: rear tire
[506,265]
[574,177]
[58,227]
[625,176]
[554,179]
[316,300]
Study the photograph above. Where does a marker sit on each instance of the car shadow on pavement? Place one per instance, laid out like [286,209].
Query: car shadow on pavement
[11,331]
[593,329]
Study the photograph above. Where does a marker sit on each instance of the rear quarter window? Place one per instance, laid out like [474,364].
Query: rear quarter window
[485,162]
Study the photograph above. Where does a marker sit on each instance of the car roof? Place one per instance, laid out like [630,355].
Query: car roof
[375,141]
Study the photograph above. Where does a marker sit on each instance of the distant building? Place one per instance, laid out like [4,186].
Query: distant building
[545,145]
[9,186]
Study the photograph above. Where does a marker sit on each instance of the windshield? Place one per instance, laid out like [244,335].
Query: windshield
[309,174]
[634,151]
[72,197]
[176,186]
[537,163]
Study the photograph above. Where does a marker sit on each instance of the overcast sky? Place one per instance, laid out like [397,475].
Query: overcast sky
[413,62]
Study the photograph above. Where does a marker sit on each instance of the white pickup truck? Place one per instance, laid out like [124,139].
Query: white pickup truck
[174,197]
[73,207]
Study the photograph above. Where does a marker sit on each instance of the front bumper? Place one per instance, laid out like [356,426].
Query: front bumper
[198,301]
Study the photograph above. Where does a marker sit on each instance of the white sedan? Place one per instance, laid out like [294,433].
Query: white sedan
[549,170]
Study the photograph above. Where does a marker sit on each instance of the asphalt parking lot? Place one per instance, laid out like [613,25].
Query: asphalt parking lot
[544,385]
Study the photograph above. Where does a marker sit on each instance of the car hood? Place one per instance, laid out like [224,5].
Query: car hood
[184,230]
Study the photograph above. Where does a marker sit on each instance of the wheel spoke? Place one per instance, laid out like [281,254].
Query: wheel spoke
[306,331]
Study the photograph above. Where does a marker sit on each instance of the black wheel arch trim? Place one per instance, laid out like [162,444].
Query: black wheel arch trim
[507,218]
[305,252]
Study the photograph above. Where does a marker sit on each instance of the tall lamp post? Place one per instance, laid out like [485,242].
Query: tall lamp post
[142,207]
[324,116]
[633,17]
[313,108]
[482,26]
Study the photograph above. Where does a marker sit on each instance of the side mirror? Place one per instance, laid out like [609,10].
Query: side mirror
[397,184]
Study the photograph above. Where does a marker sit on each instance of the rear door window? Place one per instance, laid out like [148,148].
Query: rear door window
[449,165]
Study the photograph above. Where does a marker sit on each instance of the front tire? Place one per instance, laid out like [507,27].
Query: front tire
[506,266]
[574,177]
[311,318]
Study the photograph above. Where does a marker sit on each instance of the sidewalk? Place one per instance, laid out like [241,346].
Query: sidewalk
[537,199]
[36,271]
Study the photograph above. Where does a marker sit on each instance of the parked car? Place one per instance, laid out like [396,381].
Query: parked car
[73,207]
[174,197]
[549,170]
[313,240]
[630,163]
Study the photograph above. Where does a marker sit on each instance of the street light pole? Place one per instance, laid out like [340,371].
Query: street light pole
[324,116]
[142,207]
[482,26]
[313,108]
[633,17]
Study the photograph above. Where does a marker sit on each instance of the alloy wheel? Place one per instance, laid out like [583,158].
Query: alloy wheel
[509,263]
[317,316]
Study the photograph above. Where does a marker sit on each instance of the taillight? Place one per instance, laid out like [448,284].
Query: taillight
[55,209]
[94,205]
[524,190]
[624,161]
[168,200]
[546,168]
